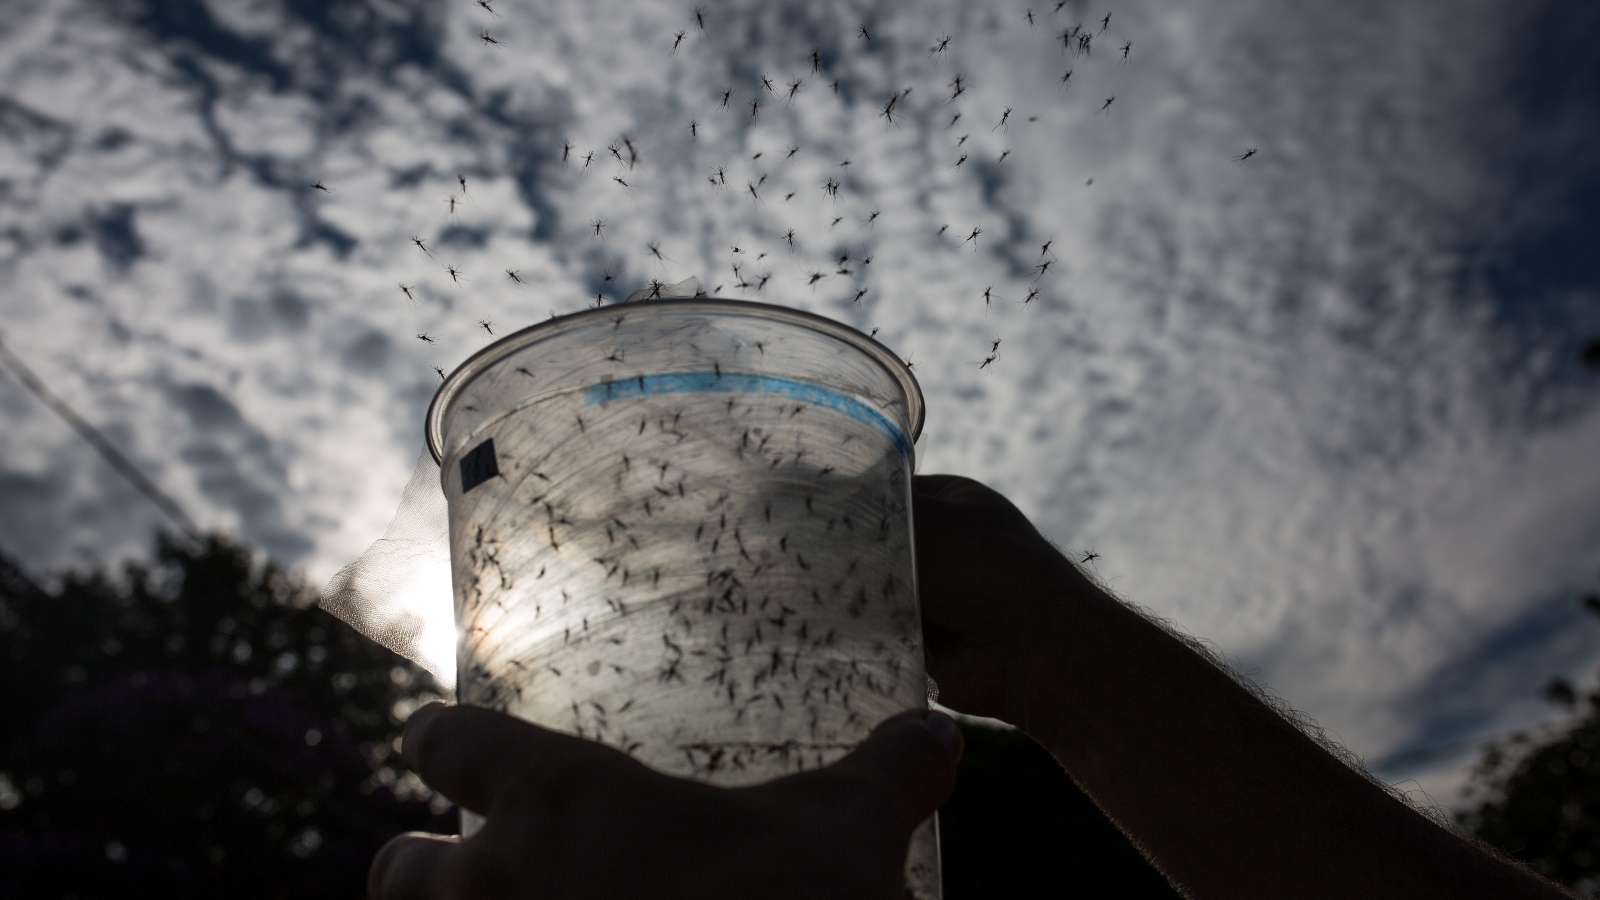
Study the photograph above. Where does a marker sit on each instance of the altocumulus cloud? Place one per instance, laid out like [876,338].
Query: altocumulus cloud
[1318,405]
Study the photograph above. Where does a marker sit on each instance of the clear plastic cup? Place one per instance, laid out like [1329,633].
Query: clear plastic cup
[683,528]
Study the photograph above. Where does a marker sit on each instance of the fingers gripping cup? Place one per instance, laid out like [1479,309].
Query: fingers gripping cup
[683,528]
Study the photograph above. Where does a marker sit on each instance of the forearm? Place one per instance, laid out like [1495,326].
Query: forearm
[1226,797]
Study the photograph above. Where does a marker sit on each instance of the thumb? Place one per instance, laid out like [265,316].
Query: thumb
[908,763]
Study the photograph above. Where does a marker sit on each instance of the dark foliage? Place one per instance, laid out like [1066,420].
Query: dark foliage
[196,728]
[1017,826]
[1540,795]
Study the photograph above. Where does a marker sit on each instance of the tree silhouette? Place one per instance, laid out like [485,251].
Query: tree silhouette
[1541,794]
[197,727]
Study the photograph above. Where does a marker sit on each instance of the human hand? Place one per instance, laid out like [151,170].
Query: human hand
[572,818]
[985,576]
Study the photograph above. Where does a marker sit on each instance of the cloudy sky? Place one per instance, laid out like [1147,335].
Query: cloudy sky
[1321,406]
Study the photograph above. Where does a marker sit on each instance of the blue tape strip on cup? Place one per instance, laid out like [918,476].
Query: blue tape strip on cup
[735,383]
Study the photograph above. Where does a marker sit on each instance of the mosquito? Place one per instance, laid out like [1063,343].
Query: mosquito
[755,108]
[836,221]
[864,34]
[1003,155]
[1085,45]
[888,109]
[1032,293]
[987,361]
[488,9]
[960,161]
[752,188]
[452,201]
[655,250]
[816,277]
[873,217]
[831,188]
[424,337]
[1065,77]
[1091,556]
[789,196]
[962,141]
[700,18]
[694,129]
[599,300]
[761,286]
[939,46]
[1105,23]
[566,151]
[726,93]
[816,60]
[986,292]
[676,40]
[486,325]
[1043,268]
[1006,114]
[487,38]
[1125,48]
[1029,17]
[953,120]
[791,152]
[835,85]
[1245,155]
[625,185]
[607,276]
[1107,106]
[722,174]
[406,289]
[960,86]
[941,231]
[323,188]
[1059,4]
[973,237]
[633,153]
[514,276]
[794,88]
[598,225]
[440,371]
[455,274]
[1067,38]
[588,158]
[421,245]
[766,83]
[859,294]
[789,236]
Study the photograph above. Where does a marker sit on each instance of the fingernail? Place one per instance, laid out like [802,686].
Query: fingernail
[948,732]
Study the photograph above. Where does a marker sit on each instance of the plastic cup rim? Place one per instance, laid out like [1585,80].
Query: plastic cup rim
[480,361]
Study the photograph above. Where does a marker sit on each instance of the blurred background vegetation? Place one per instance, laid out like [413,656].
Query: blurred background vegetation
[194,726]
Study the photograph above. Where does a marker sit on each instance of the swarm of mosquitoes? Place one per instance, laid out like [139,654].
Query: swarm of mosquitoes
[1076,40]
